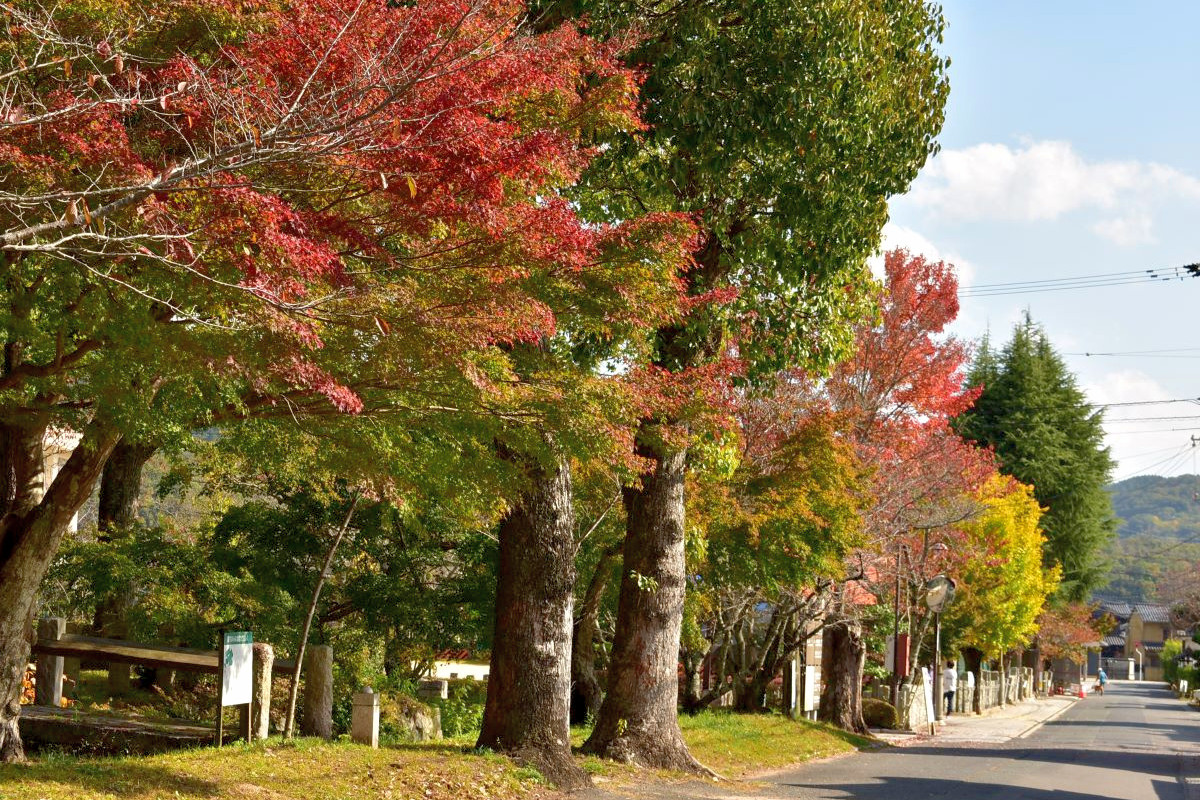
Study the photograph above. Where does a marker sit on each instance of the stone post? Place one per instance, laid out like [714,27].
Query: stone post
[364,718]
[260,701]
[316,715]
[48,691]
[433,690]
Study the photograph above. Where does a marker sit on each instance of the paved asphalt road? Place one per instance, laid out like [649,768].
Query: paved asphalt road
[1137,742]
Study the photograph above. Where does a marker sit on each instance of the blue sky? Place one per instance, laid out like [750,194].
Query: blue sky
[1072,148]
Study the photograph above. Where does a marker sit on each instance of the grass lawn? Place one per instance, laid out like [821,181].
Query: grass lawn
[271,770]
[734,745]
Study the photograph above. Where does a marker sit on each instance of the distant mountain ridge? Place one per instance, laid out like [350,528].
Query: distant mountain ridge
[1167,508]
[1160,525]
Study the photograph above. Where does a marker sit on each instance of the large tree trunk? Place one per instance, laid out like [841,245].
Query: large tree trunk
[21,466]
[973,659]
[120,486]
[751,694]
[529,687]
[586,691]
[842,660]
[638,720]
[29,537]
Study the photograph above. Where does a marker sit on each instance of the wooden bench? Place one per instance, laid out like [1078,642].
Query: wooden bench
[120,651]
[53,644]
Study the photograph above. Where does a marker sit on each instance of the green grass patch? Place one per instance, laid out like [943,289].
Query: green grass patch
[736,745]
[272,770]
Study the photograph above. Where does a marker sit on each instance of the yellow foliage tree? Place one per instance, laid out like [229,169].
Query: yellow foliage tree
[1003,586]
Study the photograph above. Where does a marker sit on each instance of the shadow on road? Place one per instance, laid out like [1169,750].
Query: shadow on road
[894,788]
[1151,763]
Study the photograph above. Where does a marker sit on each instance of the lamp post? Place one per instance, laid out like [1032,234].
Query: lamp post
[939,591]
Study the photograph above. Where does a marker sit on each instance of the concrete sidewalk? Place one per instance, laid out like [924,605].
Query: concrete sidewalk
[994,726]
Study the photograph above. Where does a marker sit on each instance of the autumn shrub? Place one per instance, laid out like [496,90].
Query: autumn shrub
[879,714]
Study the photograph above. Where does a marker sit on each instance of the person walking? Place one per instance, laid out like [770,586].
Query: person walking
[949,685]
[1101,679]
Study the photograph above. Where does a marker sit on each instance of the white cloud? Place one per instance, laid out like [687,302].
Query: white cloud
[1046,180]
[1131,229]
[1141,446]
[1125,386]
[895,236]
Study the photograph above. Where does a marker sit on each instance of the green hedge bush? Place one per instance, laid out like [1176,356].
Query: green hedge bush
[880,714]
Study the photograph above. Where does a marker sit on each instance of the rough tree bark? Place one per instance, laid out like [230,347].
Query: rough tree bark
[842,660]
[974,664]
[30,532]
[120,486]
[527,713]
[586,692]
[1003,682]
[693,680]
[638,720]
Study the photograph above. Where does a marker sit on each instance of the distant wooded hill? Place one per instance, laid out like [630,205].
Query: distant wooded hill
[1160,526]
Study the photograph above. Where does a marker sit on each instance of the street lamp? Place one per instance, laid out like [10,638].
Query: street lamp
[939,591]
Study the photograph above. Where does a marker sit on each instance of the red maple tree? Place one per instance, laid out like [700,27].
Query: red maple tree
[220,210]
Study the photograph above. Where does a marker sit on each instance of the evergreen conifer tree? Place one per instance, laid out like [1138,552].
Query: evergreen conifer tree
[1046,434]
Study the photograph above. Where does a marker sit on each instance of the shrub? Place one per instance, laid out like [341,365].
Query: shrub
[462,711]
[879,713]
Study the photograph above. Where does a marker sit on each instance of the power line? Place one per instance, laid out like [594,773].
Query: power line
[1145,402]
[1009,284]
[1063,406]
[1153,430]
[1172,448]
[1177,456]
[1082,281]
[1166,352]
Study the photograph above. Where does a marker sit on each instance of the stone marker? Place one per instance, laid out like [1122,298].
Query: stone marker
[48,691]
[260,694]
[364,718]
[316,716]
[260,701]
[433,690]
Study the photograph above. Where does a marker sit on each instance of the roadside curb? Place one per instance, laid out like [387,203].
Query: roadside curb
[1032,728]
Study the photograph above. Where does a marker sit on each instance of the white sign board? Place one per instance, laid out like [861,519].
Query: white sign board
[237,667]
[812,675]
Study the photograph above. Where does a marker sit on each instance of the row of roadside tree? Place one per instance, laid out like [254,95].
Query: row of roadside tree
[540,287]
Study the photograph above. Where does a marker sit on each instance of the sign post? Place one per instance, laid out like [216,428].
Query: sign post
[235,677]
[939,591]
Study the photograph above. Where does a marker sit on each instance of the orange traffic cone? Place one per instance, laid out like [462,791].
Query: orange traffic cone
[1081,694]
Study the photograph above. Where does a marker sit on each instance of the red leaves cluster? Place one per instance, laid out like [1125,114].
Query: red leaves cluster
[1067,631]
[387,168]
[894,400]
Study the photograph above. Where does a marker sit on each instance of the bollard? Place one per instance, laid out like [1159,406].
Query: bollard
[364,718]
[260,719]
